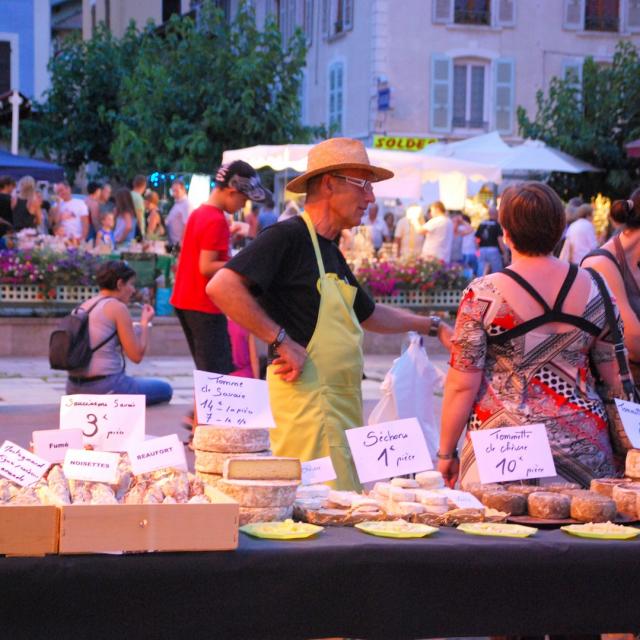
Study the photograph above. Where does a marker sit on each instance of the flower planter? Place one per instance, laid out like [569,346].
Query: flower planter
[32,300]
[21,293]
[446,300]
[75,294]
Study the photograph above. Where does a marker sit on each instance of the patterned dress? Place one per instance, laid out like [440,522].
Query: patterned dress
[535,377]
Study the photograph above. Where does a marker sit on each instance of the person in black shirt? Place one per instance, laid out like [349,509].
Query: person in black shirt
[7,185]
[489,234]
[293,289]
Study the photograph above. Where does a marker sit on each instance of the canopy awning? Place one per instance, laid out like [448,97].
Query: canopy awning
[18,166]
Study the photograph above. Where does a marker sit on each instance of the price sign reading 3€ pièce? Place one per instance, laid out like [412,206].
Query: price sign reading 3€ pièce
[513,453]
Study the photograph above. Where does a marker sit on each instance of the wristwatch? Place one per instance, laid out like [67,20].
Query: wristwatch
[448,456]
[282,334]
[434,325]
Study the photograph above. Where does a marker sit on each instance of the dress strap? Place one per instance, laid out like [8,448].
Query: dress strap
[314,241]
[566,285]
[527,287]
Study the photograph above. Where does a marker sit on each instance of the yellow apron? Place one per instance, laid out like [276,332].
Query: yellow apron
[312,413]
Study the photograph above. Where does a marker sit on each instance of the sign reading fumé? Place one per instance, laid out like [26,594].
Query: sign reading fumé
[108,422]
[513,453]
[231,401]
[19,465]
[91,466]
[318,471]
[52,444]
[630,416]
[389,449]
[157,453]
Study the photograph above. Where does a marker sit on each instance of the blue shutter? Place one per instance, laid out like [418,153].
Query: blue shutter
[348,15]
[573,14]
[442,11]
[506,13]
[632,17]
[441,93]
[504,90]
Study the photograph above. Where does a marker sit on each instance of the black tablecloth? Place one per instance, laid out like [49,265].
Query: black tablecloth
[342,583]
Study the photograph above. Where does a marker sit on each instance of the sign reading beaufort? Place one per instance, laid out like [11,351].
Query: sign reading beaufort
[230,401]
[157,453]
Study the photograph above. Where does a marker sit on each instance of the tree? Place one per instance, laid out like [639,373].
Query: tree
[75,123]
[200,88]
[592,121]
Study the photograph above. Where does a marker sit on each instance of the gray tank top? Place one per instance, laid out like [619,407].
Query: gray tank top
[630,285]
[108,359]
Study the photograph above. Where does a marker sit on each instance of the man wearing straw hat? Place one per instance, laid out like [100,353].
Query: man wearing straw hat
[293,289]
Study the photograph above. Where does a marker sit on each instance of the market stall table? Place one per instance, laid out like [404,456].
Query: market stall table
[342,583]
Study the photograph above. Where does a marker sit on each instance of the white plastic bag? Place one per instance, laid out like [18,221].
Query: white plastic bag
[407,392]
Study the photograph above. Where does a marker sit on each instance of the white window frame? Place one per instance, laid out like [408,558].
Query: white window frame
[338,62]
[580,25]
[486,98]
[494,12]
[329,13]
[14,64]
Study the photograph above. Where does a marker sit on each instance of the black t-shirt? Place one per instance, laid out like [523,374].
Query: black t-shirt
[282,268]
[488,232]
[5,207]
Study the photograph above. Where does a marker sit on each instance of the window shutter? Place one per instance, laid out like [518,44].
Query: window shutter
[632,18]
[572,71]
[326,17]
[442,11]
[504,75]
[573,14]
[348,15]
[441,93]
[506,13]
[308,21]
[5,66]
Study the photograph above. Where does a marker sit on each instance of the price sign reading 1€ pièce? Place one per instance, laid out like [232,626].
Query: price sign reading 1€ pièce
[108,422]
[630,415]
[513,453]
[389,449]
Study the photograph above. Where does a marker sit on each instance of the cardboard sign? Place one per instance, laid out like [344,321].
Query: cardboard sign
[158,453]
[462,499]
[52,444]
[513,453]
[19,465]
[389,449]
[91,466]
[630,417]
[108,422]
[318,471]
[230,401]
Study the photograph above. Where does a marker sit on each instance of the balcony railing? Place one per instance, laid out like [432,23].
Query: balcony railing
[602,23]
[472,16]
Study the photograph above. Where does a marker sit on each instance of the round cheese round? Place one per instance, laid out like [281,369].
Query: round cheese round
[604,486]
[248,515]
[230,439]
[213,461]
[430,479]
[506,501]
[595,508]
[632,464]
[260,493]
[524,489]
[405,483]
[549,505]
[625,497]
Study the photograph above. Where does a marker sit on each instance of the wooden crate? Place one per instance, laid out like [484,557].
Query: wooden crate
[30,530]
[150,527]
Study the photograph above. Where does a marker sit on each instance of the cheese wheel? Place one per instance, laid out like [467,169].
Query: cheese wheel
[263,514]
[595,508]
[436,510]
[248,467]
[524,489]
[213,461]
[477,488]
[260,493]
[382,488]
[208,478]
[430,479]
[408,508]
[230,439]
[549,505]
[341,499]
[512,503]
[632,464]
[561,487]
[405,483]
[604,486]
[625,497]
[312,491]
[432,498]
[309,503]
[401,495]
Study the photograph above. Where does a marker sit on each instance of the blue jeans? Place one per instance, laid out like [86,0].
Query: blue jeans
[470,264]
[489,256]
[154,389]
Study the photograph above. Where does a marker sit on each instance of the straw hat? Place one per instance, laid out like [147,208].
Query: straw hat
[333,155]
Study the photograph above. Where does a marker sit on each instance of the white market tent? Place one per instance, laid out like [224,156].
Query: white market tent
[411,169]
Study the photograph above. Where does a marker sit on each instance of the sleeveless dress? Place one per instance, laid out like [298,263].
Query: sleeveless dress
[530,375]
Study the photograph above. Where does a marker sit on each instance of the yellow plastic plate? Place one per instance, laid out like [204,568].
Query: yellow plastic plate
[396,529]
[591,531]
[287,530]
[497,529]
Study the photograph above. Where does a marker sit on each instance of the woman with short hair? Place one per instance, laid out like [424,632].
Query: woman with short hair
[522,345]
[112,335]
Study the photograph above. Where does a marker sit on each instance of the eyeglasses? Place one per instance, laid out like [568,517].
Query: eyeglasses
[366,185]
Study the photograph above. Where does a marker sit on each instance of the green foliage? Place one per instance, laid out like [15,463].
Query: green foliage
[593,123]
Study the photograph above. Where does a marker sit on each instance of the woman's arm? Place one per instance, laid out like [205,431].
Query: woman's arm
[134,346]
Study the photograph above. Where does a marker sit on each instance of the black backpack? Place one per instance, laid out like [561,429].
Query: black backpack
[69,345]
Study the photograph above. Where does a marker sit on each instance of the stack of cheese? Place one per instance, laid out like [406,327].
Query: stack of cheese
[406,496]
[264,487]
[213,446]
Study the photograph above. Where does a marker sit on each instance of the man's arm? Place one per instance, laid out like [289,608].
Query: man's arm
[386,319]
[84,221]
[230,292]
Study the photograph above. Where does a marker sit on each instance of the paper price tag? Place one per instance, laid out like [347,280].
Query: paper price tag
[158,453]
[91,466]
[108,422]
[232,401]
[513,453]
[630,416]
[462,499]
[52,444]
[318,471]
[389,449]
[19,465]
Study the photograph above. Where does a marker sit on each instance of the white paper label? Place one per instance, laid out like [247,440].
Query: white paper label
[630,417]
[158,453]
[19,465]
[318,471]
[513,453]
[52,444]
[389,449]
[108,422]
[462,499]
[91,466]
[230,401]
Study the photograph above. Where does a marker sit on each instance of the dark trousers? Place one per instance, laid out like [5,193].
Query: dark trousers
[208,340]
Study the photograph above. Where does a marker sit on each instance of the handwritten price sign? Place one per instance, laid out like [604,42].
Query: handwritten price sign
[389,449]
[230,401]
[630,416]
[513,453]
[108,422]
